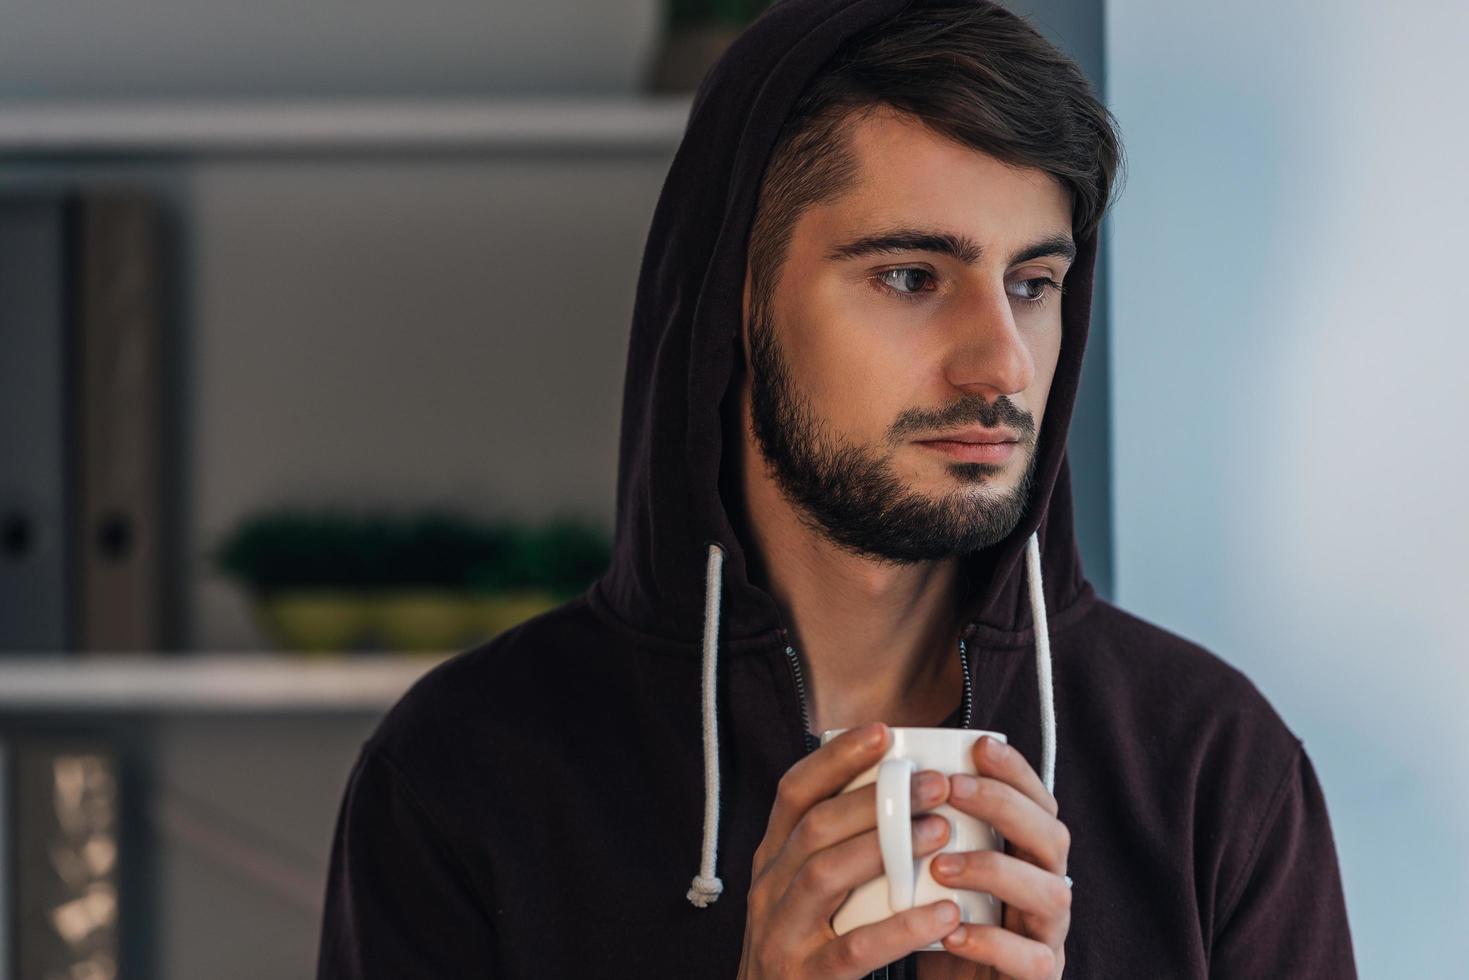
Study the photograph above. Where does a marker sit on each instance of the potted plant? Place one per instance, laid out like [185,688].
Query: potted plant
[334,580]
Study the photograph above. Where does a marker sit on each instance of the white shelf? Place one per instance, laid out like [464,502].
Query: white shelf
[202,126]
[209,681]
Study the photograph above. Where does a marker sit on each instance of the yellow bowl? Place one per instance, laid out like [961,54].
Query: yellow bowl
[406,620]
[315,621]
[425,620]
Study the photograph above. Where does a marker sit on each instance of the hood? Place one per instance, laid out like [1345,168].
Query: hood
[678,571]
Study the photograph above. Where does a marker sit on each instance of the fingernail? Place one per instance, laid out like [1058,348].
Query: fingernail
[872,734]
[963,785]
[930,828]
[929,786]
[955,938]
[991,747]
[948,863]
[948,912]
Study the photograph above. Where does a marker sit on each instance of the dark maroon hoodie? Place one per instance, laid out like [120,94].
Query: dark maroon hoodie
[535,807]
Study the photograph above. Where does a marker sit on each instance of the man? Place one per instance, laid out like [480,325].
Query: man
[844,502]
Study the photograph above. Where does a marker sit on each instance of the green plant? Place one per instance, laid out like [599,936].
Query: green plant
[563,557]
[290,548]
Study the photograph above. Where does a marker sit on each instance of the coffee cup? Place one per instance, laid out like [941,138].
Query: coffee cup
[906,882]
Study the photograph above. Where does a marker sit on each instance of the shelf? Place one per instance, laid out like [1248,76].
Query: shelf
[209,681]
[619,123]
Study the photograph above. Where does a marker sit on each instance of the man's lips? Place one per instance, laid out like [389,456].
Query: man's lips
[978,435]
[976,445]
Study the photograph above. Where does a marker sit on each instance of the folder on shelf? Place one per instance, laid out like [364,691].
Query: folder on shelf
[81,426]
[119,398]
[37,570]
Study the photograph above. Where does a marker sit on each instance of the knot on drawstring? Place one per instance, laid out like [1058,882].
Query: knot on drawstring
[706,887]
[705,890]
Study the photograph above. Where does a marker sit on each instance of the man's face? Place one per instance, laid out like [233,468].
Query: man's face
[869,354]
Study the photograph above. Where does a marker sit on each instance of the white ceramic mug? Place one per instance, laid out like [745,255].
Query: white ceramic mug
[905,882]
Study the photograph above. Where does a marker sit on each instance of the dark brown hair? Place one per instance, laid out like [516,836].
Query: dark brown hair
[971,71]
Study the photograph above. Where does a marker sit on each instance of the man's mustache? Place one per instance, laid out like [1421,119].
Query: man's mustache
[967,411]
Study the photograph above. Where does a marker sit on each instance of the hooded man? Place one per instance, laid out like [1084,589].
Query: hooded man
[844,502]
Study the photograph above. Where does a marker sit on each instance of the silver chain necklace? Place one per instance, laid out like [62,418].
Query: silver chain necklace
[814,741]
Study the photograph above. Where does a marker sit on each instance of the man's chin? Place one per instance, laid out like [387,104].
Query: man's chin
[948,489]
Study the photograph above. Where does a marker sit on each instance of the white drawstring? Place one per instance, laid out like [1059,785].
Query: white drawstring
[1042,661]
[706,887]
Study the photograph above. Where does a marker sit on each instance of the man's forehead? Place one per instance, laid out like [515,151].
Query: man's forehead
[912,179]
[908,174]
[888,142]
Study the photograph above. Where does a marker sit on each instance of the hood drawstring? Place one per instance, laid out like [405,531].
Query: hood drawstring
[1042,662]
[706,887]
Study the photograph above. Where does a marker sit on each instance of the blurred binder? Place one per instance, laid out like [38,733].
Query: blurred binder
[118,341]
[37,570]
[81,383]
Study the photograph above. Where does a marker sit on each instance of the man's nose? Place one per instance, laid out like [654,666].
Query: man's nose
[987,352]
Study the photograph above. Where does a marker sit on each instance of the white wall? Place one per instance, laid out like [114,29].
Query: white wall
[144,49]
[1289,349]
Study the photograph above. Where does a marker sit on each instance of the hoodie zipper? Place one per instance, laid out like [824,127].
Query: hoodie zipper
[798,679]
[811,742]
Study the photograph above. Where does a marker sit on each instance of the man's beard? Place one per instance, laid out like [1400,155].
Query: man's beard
[851,494]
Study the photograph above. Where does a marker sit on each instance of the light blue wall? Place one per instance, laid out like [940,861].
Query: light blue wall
[1289,343]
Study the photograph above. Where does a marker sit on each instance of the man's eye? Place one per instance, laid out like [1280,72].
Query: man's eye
[905,282]
[1035,292]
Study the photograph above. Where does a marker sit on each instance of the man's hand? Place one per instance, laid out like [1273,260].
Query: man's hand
[821,843]
[1027,878]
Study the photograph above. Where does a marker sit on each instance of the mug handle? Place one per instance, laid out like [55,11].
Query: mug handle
[895,829]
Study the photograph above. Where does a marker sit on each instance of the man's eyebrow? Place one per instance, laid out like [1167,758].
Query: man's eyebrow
[961,247]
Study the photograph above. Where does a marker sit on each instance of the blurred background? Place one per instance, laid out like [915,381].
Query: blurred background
[312,330]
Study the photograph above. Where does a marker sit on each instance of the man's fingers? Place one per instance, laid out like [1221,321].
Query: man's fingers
[868,947]
[844,816]
[1018,883]
[1011,954]
[1018,818]
[1004,762]
[825,880]
[815,777]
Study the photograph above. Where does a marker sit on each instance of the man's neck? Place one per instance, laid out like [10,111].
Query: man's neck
[880,641]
